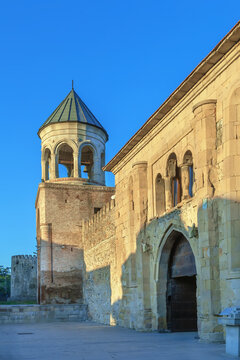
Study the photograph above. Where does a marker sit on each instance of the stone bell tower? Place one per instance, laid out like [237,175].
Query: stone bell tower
[72,189]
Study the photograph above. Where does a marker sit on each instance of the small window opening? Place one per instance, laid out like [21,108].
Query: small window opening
[187,160]
[190,180]
[96,210]
[160,194]
[176,191]
[173,171]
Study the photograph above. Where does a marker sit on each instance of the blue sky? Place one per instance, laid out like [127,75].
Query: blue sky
[126,57]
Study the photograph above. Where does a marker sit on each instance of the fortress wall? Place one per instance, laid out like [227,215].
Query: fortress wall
[24,278]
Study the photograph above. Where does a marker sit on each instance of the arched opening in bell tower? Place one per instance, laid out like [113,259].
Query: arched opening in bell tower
[65,161]
[87,162]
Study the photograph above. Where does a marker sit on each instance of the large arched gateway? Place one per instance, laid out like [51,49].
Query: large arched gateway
[177,304]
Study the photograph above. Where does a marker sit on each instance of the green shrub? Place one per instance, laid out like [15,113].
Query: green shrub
[5,283]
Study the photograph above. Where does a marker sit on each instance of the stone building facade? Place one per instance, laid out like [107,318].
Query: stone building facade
[24,278]
[164,254]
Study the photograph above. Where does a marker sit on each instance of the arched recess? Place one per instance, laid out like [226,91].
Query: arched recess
[160,195]
[65,163]
[46,163]
[87,162]
[176,284]
[173,172]
[187,175]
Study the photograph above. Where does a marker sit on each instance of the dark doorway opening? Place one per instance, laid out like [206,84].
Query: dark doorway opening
[181,288]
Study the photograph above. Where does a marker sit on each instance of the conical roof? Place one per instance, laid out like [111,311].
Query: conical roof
[72,109]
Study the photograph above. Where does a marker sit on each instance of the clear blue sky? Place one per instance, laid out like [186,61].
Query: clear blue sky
[125,57]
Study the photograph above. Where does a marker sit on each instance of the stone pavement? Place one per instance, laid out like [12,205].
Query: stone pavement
[90,341]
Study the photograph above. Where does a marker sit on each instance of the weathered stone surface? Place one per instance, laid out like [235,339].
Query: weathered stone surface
[24,278]
[60,211]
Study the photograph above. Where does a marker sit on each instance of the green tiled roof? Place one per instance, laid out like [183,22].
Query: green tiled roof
[73,109]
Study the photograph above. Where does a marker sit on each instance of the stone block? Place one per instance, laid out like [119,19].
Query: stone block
[233,340]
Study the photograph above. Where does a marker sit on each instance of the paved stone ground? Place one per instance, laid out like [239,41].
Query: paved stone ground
[89,341]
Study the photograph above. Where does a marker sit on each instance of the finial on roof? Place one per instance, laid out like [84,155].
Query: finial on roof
[72,84]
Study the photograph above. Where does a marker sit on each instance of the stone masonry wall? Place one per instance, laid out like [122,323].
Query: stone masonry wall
[206,123]
[99,256]
[18,314]
[24,278]
[61,207]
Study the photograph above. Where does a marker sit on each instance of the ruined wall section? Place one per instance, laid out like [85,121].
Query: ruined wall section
[98,236]
[24,278]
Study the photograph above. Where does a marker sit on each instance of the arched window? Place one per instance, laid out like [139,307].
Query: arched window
[188,168]
[173,172]
[160,194]
[65,161]
[87,162]
[47,159]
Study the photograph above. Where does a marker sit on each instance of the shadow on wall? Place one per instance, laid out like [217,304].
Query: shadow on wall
[154,274]
[61,280]
[97,294]
[64,280]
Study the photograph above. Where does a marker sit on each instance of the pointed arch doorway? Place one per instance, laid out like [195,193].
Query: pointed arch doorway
[177,284]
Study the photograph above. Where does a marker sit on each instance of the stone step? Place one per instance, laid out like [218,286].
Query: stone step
[42,313]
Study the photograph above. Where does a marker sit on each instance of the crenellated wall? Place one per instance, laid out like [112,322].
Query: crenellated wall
[24,278]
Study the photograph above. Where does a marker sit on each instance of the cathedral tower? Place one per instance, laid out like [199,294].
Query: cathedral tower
[72,138]
[72,189]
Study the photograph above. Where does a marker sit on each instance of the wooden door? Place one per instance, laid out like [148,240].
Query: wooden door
[181,289]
